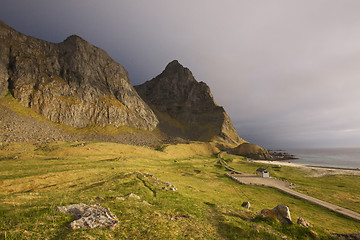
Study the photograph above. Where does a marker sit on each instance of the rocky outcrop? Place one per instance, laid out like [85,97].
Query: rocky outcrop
[185,107]
[93,216]
[251,151]
[72,82]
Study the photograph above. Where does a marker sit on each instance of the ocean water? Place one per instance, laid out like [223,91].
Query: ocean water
[327,157]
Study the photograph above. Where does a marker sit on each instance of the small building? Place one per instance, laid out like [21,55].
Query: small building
[262,172]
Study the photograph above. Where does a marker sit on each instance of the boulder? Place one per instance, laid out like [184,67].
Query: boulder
[280,212]
[93,216]
[303,222]
[246,205]
[146,203]
[132,195]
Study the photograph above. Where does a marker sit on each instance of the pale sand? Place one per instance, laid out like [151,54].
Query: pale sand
[321,170]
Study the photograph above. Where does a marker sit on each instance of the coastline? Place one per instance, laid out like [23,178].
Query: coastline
[328,170]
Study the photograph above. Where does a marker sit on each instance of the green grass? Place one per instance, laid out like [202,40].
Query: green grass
[34,179]
[342,190]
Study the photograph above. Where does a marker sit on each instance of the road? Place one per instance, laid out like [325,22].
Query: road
[285,187]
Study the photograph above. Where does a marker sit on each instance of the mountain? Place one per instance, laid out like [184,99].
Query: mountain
[186,108]
[72,83]
[76,84]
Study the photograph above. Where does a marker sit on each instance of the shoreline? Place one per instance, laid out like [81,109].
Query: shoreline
[334,170]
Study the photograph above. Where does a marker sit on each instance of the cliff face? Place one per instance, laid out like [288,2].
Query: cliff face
[185,107]
[72,82]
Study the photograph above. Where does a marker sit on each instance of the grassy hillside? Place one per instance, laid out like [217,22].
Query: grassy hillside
[34,179]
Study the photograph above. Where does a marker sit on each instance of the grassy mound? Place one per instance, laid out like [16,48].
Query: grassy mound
[251,150]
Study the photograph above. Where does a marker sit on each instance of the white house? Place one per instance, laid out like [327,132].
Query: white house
[262,172]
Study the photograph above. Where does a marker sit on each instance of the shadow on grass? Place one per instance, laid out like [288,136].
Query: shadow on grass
[231,230]
[62,232]
[93,185]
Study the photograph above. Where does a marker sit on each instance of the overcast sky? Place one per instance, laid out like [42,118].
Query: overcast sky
[287,72]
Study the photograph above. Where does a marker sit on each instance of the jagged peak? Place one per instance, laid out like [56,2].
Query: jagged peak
[75,38]
[174,67]
[174,64]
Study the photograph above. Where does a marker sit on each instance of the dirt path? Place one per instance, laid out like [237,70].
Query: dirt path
[285,187]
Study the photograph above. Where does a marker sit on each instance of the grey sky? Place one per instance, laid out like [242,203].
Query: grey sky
[287,72]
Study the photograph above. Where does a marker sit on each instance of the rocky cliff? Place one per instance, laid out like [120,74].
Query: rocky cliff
[72,82]
[186,107]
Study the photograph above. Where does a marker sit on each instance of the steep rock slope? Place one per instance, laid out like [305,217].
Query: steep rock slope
[185,107]
[72,82]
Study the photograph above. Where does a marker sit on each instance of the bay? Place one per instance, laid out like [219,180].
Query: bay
[327,157]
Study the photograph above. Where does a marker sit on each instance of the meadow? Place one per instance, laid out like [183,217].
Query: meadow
[35,178]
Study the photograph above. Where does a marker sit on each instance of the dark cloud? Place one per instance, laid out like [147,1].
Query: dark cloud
[287,72]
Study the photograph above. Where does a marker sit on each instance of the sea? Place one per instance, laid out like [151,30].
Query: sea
[327,157]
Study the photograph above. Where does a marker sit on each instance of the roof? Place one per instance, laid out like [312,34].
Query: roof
[261,170]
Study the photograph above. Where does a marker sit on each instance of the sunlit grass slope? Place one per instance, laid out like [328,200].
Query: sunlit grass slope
[34,179]
[342,190]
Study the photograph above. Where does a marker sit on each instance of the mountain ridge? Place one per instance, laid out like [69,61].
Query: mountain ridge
[77,84]
[72,82]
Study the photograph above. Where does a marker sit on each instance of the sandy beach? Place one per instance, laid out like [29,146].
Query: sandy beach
[322,170]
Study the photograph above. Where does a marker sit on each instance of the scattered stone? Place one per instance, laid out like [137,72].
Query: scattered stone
[93,216]
[146,203]
[132,195]
[99,198]
[79,145]
[246,205]
[280,212]
[119,198]
[314,234]
[355,236]
[156,181]
[172,218]
[303,222]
